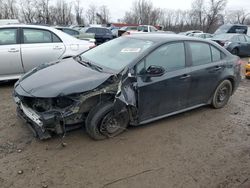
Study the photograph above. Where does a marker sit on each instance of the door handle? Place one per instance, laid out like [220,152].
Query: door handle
[185,76]
[13,50]
[217,68]
[57,48]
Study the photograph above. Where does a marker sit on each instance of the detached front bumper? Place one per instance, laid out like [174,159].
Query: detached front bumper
[41,124]
[34,123]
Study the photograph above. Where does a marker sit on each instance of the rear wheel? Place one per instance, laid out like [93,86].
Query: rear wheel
[222,94]
[102,123]
[235,51]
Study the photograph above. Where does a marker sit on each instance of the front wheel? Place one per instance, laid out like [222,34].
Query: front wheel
[102,123]
[222,94]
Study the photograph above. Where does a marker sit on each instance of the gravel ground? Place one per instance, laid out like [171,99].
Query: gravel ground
[200,148]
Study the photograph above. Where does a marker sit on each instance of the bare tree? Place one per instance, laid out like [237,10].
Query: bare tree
[237,16]
[62,12]
[79,13]
[198,14]
[143,12]
[28,10]
[214,13]
[9,9]
[91,14]
[103,15]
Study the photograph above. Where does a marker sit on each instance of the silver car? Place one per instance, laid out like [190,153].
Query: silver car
[23,47]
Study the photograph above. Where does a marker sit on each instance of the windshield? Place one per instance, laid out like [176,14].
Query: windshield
[118,53]
[123,28]
[143,28]
[223,29]
[223,37]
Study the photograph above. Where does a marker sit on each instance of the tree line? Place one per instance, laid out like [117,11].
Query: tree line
[205,15]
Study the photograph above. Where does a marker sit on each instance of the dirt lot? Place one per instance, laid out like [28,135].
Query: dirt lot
[201,148]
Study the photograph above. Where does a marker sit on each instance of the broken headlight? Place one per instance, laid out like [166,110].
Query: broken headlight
[63,102]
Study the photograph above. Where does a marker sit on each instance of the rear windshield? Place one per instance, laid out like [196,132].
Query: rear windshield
[223,29]
[231,29]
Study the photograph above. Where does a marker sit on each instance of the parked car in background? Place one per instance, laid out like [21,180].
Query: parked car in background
[127,29]
[187,33]
[8,21]
[131,80]
[77,27]
[114,31]
[201,35]
[147,29]
[141,29]
[237,44]
[102,34]
[23,47]
[233,28]
[77,34]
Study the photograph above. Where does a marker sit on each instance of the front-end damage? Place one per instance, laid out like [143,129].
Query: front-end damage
[57,115]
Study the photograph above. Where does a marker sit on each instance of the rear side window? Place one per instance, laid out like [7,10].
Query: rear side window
[169,56]
[8,36]
[36,36]
[216,54]
[107,31]
[91,30]
[56,39]
[101,31]
[200,53]
[71,32]
[242,38]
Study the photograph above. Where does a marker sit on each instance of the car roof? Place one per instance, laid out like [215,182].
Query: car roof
[26,25]
[162,38]
[230,34]
[97,27]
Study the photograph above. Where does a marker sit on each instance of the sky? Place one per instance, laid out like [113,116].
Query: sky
[119,7]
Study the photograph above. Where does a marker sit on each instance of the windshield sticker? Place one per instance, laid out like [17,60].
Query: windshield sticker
[131,50]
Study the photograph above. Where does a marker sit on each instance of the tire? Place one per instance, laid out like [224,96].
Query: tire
[235,51]
[98,123]
[222,94]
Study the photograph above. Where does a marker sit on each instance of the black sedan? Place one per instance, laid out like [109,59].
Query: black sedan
[237,44]
[131,80]
[102,34]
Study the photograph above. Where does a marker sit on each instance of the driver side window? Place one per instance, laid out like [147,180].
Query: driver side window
[169,56]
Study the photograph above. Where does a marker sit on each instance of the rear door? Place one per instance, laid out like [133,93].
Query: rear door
[40,46]
[10,63]
[97,35]
[206,71]
[244,45]
[248,44]
[100,34]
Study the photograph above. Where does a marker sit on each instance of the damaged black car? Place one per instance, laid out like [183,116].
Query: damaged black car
[131,80]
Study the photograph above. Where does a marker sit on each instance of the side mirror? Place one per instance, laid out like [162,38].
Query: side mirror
[155,71]
[132,77]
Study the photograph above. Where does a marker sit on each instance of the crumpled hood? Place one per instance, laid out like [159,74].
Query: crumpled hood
[59,79]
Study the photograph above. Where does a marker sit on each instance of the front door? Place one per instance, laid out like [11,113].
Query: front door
[165,94]
[10,63]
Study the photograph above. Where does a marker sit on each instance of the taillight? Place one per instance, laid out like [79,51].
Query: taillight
[241,62]
[90,47]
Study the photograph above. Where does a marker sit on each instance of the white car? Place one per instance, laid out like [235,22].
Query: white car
[23,47]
